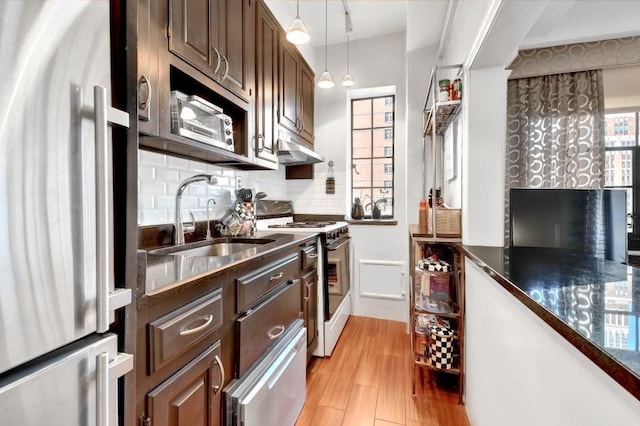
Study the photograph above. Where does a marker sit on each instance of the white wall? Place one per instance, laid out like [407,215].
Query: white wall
[519,371]
[375,62]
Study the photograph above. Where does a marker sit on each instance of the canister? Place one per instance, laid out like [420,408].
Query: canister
[441,347]
[443,92]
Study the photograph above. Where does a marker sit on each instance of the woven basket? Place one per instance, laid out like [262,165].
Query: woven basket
[448,222]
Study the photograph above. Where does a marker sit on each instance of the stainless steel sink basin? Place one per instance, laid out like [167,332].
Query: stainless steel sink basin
[215,247]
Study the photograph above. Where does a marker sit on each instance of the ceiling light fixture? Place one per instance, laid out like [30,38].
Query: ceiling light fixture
[297,32]
[326,81]
[347,80]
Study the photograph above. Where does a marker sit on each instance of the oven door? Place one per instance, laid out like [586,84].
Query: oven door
[338,277]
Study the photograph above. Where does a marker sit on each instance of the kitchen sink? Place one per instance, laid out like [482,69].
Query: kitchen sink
[215,247]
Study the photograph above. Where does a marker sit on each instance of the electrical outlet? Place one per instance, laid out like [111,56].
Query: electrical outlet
[238,182]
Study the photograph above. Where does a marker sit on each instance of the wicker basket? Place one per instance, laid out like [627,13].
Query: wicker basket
[448,222]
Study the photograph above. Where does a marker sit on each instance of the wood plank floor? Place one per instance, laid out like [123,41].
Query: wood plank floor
[367,381]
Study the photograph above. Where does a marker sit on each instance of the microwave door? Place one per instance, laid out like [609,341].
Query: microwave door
[55,221]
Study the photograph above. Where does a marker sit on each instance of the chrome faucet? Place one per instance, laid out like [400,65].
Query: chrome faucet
[209,201]
[179,226]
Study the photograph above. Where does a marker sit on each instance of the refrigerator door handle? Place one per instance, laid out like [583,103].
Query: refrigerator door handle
[106,372]
[104,116]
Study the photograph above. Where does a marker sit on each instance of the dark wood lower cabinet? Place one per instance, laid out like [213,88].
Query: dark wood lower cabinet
[193,395]
[310,309]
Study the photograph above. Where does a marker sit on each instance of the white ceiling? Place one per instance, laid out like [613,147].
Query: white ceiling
[370,18]
[563,21]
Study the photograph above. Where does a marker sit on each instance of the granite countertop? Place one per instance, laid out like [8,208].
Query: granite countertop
[163,272]
[581,297]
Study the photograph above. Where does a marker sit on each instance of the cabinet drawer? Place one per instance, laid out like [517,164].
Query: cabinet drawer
[178,331]
[309,256]
[262,326]
[253,287]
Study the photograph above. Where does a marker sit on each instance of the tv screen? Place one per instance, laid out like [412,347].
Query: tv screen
[589,221]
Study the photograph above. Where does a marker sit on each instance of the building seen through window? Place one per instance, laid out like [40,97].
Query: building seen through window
[372,142]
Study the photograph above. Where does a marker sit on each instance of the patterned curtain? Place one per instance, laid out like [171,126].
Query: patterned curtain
[555,133]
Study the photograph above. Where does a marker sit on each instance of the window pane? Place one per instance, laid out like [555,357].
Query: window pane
[384,200]
[380,142]
[361,114]
[361,174]
[362,143]
[620,129]
[380,178]
[618,168]
[382,113]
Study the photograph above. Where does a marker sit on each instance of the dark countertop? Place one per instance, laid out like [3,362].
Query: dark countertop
[163,272]
[585,299]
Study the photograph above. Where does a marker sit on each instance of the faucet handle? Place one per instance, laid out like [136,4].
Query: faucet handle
[189,228]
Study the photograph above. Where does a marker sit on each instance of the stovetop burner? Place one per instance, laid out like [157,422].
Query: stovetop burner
[306,224]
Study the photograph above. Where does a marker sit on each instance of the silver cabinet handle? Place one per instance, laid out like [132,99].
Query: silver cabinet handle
[278,329]
[312,256]
[276,276]
[102,389]
[308,287]
[189,331]
[260,143]
[104,116]
[301,125]
[219,56]
[218,362]
[145,93]
[226,70]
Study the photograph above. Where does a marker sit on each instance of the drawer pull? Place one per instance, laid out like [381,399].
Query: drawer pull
[188,331]
[276,276]
[312,256]
[308,287]
[218,362]
[278,333]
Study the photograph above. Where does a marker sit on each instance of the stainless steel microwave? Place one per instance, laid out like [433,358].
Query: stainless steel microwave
[198,119]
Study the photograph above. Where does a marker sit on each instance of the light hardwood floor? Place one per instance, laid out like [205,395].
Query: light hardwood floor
[367,381]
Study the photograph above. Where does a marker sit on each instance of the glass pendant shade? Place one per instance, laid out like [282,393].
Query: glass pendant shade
[326,81]
[297,32]
[347,80]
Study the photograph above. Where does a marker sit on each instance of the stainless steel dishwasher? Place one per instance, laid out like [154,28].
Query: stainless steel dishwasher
[273,391]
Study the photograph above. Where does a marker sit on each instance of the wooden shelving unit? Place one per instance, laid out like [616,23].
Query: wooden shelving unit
[449,250]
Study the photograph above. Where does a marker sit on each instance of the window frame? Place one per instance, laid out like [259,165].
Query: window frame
[388,176]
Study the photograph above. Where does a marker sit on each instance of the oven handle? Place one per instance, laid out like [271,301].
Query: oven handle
[335,246]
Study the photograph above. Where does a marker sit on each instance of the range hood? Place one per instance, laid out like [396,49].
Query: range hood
[291,154]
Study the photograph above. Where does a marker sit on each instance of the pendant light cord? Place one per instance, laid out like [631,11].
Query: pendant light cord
[348,43]
[326,5]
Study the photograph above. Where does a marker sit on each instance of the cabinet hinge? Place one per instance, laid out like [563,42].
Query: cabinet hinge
[145,421]
[167,31]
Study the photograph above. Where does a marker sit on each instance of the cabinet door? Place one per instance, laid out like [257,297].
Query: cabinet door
[289,84]
[266,85]
[306,102]
[236,43]
[193,33]
[149,18]
[310,305]
[192,396]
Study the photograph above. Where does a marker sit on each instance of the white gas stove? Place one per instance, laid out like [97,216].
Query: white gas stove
[334,295]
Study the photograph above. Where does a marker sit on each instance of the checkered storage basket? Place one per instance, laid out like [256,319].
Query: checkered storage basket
[441,347]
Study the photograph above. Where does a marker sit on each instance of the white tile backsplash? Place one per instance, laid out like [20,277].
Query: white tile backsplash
[160,174]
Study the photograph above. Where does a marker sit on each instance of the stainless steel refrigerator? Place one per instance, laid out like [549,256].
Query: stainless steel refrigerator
[58,362]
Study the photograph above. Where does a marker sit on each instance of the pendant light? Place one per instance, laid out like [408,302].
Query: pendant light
[326,81]
[347,80]
[297,32]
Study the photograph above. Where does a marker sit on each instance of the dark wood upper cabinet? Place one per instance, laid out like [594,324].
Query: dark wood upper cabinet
[295,111]
[266,79]
[216,37]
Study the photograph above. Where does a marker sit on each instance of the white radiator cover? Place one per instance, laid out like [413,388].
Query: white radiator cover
[380,289]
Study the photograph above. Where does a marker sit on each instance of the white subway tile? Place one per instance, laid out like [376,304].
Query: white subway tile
[146,172]
[189,202]
[145,202]
[165,202]
[167,175]
[177,163]
[152,158]
[153,217]
[149,187]
[197,166]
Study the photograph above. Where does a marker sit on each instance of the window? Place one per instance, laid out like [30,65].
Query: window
[372,142]
[621,154]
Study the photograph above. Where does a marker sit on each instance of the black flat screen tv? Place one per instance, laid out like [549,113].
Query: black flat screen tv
[589,221]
